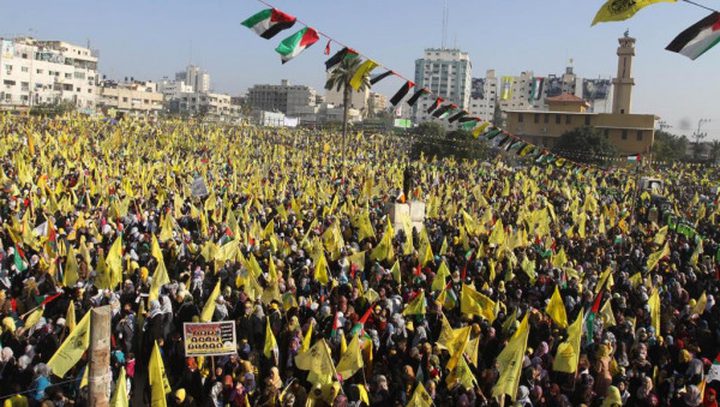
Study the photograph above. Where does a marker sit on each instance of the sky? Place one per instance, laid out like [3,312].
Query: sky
[151,39]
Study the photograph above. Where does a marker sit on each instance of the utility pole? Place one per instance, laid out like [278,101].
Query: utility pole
[699,136]
[100,376]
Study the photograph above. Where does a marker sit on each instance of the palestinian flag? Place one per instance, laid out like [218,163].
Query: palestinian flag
[453,108]
[469,119]
[345,53]
[537,89]
[634,157]
[493,133]
[442,110]
[401,93]
[469,124]
[698,38]
[590,318]
[457,116]
[435,105]
[269,22]
[19,259]
[359,327]
[417,95]
[295,44]
[380,77]
[335,325]
[714,373]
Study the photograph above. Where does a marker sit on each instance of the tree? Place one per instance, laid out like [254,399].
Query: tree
[431,140]
[339,80]
[669,147]
[714,151]
[584,144]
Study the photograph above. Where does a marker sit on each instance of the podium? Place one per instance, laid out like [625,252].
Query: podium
[414,210]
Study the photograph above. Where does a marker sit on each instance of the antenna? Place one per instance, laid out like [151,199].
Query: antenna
[444,25]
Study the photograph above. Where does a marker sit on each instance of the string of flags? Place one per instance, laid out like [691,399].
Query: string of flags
[693,42]
[269,22]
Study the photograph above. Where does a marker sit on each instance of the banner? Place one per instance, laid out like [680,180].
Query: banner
[209,338]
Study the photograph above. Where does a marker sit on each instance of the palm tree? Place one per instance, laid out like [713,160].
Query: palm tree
[339,79]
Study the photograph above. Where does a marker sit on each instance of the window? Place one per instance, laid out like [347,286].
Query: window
[536,118]
[607,133]
[639,135]
[38,71]
[546,118]
[24,86]
[587,120]
[557,119]
[521,118]
[568,119]
[68,76]
[624,134]
[24,69]
[622,111]
[125,99]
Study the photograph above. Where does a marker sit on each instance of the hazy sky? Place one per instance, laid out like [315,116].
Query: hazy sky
[149,39]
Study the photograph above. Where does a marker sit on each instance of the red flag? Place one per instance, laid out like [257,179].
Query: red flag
[596,304]
[366,315]
[327,48]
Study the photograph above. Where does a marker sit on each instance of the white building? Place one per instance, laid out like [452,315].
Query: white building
[377,103]
[133,98]
[483,97]
[213,106]
[34,72]
[196,78]
[358,100]
[173,89]
[447,74]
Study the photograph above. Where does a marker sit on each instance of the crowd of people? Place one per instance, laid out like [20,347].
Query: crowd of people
[336,299]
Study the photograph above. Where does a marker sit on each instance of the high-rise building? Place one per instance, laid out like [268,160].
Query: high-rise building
[447,74]
[377,103]
[293,100]
[194,77]
[483,96]
[34,72]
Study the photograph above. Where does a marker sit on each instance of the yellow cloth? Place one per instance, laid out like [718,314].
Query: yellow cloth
[568,352]
[615,10]
[556,309]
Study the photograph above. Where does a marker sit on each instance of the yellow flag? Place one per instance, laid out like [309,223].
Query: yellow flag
[420,397]
[497,236]
[559,259]
[343,342]
[159,279]
[351,360]
[439,280]
[528,266]
[416,306]
[616,10]
[114,262]
[71,268]
[166,230]
[120,397]
[607,315]
[472,350]
[697,252]
[510,362]
[477,131]
[209,307]
[446,332]
[568,352]
[457,346]
[307,338]
[271,346]
[701,304]
[317,359]
[475,303]
[72,348]
[70,316]
[33,318]
[654,258]
[361,73]
[661,235]
[556,309]
[159,385]
[654,304]
[155,249]
[461,375]
[395,272]
[321,273]
[362,392]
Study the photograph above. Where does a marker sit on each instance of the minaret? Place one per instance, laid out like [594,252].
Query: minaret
[624,82]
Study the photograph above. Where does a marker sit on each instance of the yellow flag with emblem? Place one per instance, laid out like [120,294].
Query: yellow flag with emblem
[439,280]
[416,306]
[209,307]
[475,303]
[654,258]
[556,309]
[654,305]
[351,360]
[618,10]
[72,348]
[568,352]
[120,397]
[159,386]
[420,397]
[510,362]
[497,236]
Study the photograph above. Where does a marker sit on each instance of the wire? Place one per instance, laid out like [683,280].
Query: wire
[701,6]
